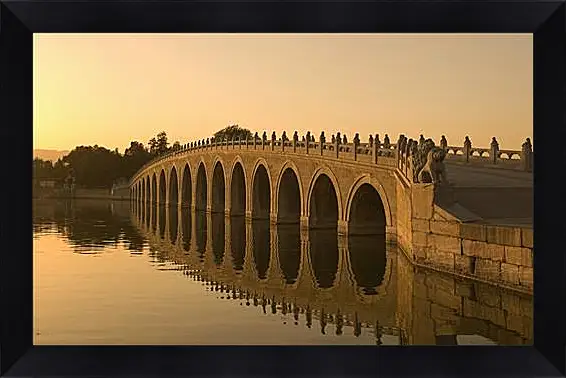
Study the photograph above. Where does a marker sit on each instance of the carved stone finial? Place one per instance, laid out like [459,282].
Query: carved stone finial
[421,139]
[370,140]
[273,136]
[443,142]
[408,147]
[338,138]
[494,143]
[264,136]
[303,138]
[296,136]
[256,137]
[467,142]
[386,141]
[284,136]
[333,139]
[322,138]
[207,141]
[357,139]
[344,139]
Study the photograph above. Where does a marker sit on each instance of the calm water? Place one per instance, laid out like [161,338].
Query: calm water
[106,274]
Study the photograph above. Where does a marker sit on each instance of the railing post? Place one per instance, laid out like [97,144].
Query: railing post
[283,138]
[263,140]
[273,139]
[356,144]
[337,144]
[399,150]
[375,147]
[444,143]
[295,140]
[407,160]
[527,155]
[308,138]
[386,142]
[322,142]
[467,149]
[494,151]
[255,139]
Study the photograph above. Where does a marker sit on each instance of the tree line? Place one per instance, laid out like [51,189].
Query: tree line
[99,167]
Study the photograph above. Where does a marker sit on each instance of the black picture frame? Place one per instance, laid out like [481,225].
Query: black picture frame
[19,20]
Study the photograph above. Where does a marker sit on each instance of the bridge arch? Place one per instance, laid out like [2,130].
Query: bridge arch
[320,208]
[261,190]
[186,186]
[201,187]
[362,188]
[238,188]
[173,186]
[162,188]
[288,194]
[218,203]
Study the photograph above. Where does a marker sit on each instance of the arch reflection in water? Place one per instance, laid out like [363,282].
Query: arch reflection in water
[162,219]
[186,228]
[289,251]
[238,242]
[147,214]
[200,225]
[261,246]
[154,217]
[324,256]
[173,223]
[218,237]
[367,254]
[342,307]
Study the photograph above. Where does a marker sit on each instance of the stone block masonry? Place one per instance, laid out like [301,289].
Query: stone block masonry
[496,254]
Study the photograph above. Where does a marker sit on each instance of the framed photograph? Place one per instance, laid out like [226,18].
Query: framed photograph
[297,188]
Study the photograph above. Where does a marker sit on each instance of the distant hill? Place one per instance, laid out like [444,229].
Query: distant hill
[52,155]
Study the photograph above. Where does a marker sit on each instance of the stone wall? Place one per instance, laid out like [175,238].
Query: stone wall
[497,254]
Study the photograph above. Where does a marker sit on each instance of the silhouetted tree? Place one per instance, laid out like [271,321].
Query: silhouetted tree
[231,131]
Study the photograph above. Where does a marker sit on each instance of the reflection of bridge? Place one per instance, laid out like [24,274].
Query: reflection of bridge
[254,260]
[364,189]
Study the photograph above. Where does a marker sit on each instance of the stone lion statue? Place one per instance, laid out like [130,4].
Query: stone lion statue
[428,164]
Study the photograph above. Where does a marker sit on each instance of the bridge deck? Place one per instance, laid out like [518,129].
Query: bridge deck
[495,196]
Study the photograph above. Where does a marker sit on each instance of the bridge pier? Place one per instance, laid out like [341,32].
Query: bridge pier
[273,217]
[342,227]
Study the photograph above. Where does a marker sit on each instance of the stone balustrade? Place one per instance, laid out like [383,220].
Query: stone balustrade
[374,151]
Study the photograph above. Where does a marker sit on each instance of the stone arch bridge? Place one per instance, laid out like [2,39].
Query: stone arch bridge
[356,188]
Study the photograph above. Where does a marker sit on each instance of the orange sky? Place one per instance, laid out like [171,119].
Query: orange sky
[109,89]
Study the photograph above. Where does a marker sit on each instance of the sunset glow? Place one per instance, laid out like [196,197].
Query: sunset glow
[110,89]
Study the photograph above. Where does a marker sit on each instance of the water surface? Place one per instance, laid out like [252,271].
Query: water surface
[108,274]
